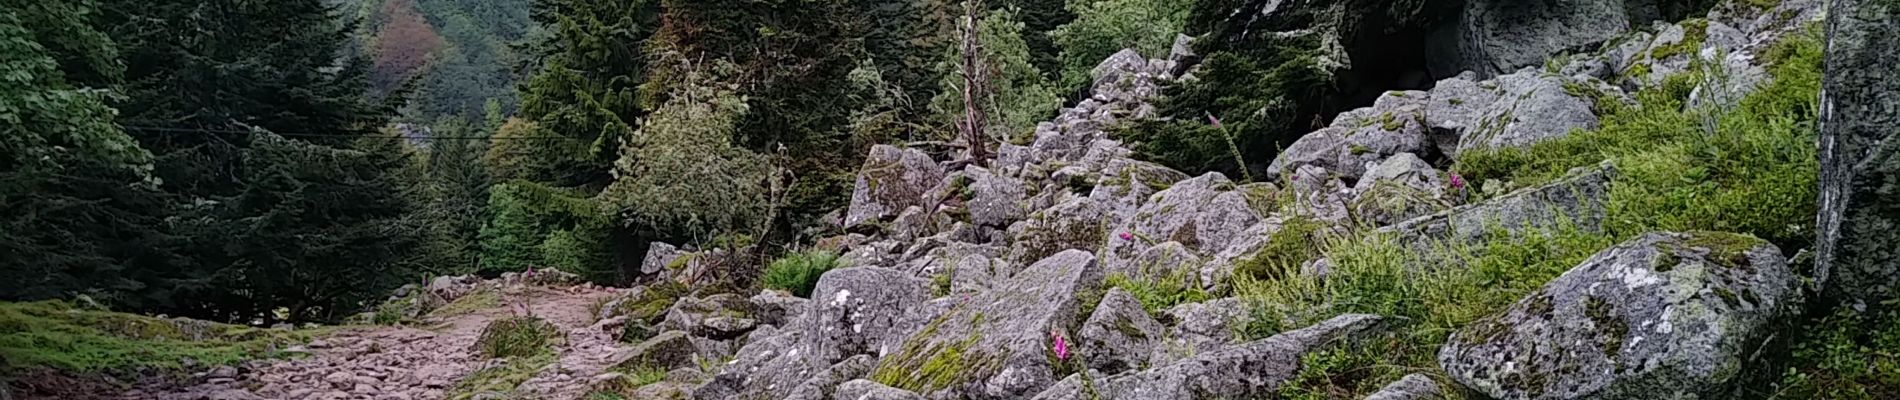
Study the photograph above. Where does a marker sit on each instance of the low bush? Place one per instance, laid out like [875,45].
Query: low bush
[798,273]
[518,337]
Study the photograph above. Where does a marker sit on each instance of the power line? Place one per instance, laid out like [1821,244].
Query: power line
[333,135]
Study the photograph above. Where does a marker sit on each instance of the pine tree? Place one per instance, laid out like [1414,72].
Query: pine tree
[77,207]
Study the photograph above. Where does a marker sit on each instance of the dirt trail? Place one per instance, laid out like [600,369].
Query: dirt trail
[414,363]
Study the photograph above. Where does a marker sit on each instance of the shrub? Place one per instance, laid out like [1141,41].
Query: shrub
[518,337]
[1102,28]
[539,225]
[799,272]
[1019,95]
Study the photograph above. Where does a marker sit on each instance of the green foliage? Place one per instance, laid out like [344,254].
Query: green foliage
[75,188]
[623,386]
[1751,168]
[1436,286]
[58,335]
[455,187]
[1253,98]
[1847,356]
[1335,374]
[681,177]
[799,272]
[535,225]
[1103,27]
[521,337]
[1161,294]
[1299,240]
[501,377]
[480,299]
[1019,94]
[584,98]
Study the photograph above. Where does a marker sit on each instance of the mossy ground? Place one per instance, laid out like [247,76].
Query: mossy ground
[56,335]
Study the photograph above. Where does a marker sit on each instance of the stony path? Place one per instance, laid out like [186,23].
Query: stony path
[413,363]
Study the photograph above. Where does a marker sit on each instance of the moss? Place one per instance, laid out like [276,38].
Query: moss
[1725,249]
[1614,329]
[480,299]
[1128,329]
[924,366]
[940,284]
[1456,101]
[59,336]
[1391,122]
[1694,33]
[1360,149]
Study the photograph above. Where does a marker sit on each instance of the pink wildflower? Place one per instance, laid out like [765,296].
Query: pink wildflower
[1457,182]
[1062,346]
[1211,119]
[1126,236]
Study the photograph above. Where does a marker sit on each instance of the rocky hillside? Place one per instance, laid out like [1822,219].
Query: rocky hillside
[1500,209]
[1035,275]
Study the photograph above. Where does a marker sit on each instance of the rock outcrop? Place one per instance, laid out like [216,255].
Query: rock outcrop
[1665,315]
[1860,157]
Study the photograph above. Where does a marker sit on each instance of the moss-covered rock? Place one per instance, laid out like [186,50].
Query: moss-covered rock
[1628,325]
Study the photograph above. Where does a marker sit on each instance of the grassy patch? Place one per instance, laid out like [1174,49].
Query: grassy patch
[1436,287]
[1160,294]
[1846,356]
[480,299]
[1751,168]
[518,337]
[501,378]
[629,381]
[799,272]
[58,335]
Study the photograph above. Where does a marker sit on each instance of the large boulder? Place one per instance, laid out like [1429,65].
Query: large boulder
[854,309]
[868,390]
[659,256]
[1533,107]
[1120,335]
[1581,199]
[1398,189]
[1662,316]
[851,313]
[1080,223]
[1494,37]
[668,350]
[1411,387]
[1358,139]
[1860,155]
[994,200]
[998,341]
[1206,214]
[1251,370]
[891,180]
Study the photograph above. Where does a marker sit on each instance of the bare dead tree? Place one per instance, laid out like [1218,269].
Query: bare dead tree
[975,82]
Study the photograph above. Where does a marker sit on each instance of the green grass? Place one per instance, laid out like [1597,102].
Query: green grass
[527,344]
[58,335]
[799,272]
[1160,294]
[518,337]
[629,381]
[1755,172]
[1846,356]
[501,378]
[480,299]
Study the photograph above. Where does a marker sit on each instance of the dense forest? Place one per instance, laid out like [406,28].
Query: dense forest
[291,170]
